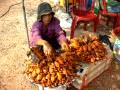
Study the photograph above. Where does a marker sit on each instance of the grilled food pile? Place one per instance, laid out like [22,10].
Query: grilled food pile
[60,69]
[88,48]
[53,71]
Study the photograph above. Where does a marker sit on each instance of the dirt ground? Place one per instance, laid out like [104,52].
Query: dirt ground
[13,48]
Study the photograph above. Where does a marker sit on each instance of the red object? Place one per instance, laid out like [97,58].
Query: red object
[117,31]
[110,15]
[80,14]
[118,20]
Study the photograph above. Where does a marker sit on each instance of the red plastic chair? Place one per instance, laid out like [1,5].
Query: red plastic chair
[80,14]
[110,15]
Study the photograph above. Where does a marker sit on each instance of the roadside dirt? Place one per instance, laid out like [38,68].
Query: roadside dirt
[13,48]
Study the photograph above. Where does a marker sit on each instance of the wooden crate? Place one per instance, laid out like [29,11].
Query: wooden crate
[90,71]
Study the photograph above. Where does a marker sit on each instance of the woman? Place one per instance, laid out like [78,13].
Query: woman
[46,31]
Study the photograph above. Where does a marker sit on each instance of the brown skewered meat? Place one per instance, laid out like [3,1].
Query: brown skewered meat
[59,69]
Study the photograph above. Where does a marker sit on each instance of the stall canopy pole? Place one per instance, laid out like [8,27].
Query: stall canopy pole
[25,20]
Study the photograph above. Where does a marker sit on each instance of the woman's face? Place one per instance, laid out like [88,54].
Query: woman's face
[47,18]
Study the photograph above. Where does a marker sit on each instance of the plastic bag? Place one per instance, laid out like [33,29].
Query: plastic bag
[116,49]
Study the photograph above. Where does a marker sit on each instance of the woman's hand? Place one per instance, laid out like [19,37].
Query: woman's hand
[64,45]
[48,50]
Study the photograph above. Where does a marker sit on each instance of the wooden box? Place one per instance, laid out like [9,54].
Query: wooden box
[90,71]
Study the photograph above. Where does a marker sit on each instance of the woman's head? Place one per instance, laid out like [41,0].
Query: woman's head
[45,12]
[46,18]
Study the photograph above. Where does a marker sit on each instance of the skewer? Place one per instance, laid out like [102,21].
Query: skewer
[42,87]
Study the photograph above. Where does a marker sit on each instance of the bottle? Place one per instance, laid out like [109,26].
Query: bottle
[62,3]
[96,8]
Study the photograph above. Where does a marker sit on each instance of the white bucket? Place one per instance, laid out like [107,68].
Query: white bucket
[55,88]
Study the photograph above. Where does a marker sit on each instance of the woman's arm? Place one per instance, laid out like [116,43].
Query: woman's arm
[37,39]
[61,38]
[35,34]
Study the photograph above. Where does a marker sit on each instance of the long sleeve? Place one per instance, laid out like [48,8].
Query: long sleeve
[35,34]
[58,31]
